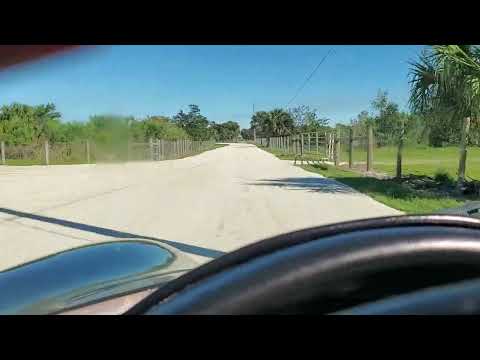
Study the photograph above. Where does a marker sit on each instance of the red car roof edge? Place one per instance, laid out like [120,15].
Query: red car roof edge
[11,55]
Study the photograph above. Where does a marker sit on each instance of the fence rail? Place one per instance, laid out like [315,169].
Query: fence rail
[372,152]
[87,151]
[312,146]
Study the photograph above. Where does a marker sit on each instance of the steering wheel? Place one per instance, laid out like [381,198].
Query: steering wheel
[401,264]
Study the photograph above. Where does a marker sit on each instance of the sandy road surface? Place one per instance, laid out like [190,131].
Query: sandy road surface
[204,205]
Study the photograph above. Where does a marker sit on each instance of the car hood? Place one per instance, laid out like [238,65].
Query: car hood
[88,274]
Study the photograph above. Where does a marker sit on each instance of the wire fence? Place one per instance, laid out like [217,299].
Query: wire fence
[308,147]
[383,152]
[87,151]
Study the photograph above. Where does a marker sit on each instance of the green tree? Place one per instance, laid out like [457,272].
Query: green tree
[446,80]
[307,119]
[21,123]
[388,121]
[47,122]
[161,127]
[276,122]
[227,131]
[247,134]
[194,123]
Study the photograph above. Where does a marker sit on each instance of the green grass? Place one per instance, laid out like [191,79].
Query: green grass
[420,160]
[27,162]
[289,156]
[390,192]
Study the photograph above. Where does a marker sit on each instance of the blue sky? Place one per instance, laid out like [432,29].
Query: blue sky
[223,80]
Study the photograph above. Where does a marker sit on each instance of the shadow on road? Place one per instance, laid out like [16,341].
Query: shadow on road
[192,249]
[316,184]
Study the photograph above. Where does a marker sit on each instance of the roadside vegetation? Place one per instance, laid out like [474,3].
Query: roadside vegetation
[424,158]
[24,129]
[390,192]
[411,197]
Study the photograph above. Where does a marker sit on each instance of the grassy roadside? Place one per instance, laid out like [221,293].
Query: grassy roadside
[417,160]
[386,191]
[26,162]
[389,192]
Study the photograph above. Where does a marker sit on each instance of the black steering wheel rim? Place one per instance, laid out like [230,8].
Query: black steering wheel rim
[439,224]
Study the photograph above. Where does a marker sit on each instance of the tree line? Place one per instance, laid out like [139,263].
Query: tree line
[389,123]
[27,124]
[444,90]
[280,122]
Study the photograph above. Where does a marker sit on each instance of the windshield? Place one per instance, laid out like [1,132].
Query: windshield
[206,149]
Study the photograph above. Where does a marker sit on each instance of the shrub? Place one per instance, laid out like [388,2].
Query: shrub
[320,166]
[443,176]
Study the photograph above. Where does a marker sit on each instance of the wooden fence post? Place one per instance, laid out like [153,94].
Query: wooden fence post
[150,143]
[309,143]
[301,146]
[47,153]
[370,148]
[87,145]
[329,147]
[316,142]
[2,146]
[350,148]
[463,151]
[336,149]
[398,173]
[332,146]
[326,147]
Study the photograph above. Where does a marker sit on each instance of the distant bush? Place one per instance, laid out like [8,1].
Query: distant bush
[321,166]
[443,176]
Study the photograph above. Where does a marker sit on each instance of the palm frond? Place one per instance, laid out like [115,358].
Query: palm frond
[423,83]
[447,78]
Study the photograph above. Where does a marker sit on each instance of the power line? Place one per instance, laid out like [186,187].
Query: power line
[308,78]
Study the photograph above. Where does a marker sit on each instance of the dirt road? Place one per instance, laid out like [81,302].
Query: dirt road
[204,205]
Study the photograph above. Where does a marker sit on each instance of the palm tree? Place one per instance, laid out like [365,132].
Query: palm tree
[44,114]
[281,122]
[446,79]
